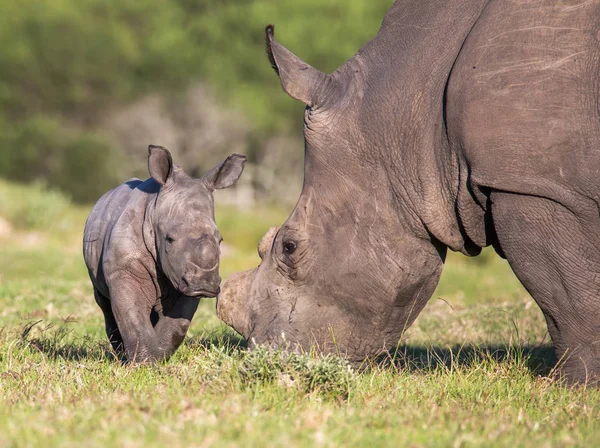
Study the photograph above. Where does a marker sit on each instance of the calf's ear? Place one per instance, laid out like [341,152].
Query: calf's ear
[298,79]
[160,164]
[225,174]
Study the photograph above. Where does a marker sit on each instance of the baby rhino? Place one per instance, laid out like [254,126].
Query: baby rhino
[152,251]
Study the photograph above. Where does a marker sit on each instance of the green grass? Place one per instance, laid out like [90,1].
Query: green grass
[472,370]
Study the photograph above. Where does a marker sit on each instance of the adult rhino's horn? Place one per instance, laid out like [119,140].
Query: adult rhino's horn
[298,79]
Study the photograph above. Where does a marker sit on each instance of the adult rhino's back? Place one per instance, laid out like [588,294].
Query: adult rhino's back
[522,102]
[105,213]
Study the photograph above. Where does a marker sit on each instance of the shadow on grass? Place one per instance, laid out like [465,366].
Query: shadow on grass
[539,359]
[60,343]
[229,342]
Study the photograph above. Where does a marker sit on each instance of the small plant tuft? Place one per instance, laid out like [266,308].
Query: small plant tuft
[328,375]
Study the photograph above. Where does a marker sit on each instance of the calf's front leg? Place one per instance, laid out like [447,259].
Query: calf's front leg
[173,325]
[131,305]
[110,324]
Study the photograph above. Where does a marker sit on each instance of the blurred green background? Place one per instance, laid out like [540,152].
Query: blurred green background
[86,85]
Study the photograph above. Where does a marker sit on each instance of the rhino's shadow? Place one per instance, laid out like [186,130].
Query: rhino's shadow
[72,351]
[539,359]
[61,343]
[228,342]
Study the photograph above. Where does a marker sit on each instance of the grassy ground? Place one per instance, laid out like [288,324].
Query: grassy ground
[472,371]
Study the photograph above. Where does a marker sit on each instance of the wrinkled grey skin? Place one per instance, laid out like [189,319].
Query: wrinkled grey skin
[152,251]
[462,124]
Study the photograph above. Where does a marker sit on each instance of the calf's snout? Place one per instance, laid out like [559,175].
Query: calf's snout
[205,284]
[200,277]
[206,254]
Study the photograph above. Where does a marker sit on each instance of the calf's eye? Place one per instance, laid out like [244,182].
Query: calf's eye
[289,247]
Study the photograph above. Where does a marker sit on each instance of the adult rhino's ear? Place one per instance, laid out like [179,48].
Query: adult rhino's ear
[225,174]
[298,79]
[160,164]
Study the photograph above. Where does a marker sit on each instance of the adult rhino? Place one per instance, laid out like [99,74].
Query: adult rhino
[462,124]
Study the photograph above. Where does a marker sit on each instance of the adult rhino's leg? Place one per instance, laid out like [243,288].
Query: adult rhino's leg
[173,325]
[131,309]
[110,324]
[556,255]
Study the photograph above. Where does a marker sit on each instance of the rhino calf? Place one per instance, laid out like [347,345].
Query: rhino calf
[152,251]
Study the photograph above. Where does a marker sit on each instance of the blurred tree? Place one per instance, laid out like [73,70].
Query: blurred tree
[68,68]
[231,34]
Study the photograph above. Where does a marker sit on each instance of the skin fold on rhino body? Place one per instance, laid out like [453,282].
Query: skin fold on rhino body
[152,251]
[461,124]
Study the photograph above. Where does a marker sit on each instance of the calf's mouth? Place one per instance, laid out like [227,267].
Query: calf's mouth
[203,293]
[203,290]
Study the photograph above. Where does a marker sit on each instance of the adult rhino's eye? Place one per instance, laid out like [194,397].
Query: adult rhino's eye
[169,239]
[289,247]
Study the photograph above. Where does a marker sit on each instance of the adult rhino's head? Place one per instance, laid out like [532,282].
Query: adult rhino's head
[353,265]
[183,221]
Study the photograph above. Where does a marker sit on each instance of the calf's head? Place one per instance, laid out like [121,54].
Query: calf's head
[352,266]
[186,237]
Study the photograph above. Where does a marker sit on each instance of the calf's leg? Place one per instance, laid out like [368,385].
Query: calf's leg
[131,309]
[173,325]
[110,324]
[556,256]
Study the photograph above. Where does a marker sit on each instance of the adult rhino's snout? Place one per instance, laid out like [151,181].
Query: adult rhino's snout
[232,306]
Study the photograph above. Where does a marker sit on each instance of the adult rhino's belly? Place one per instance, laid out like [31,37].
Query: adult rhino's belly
[522,99]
